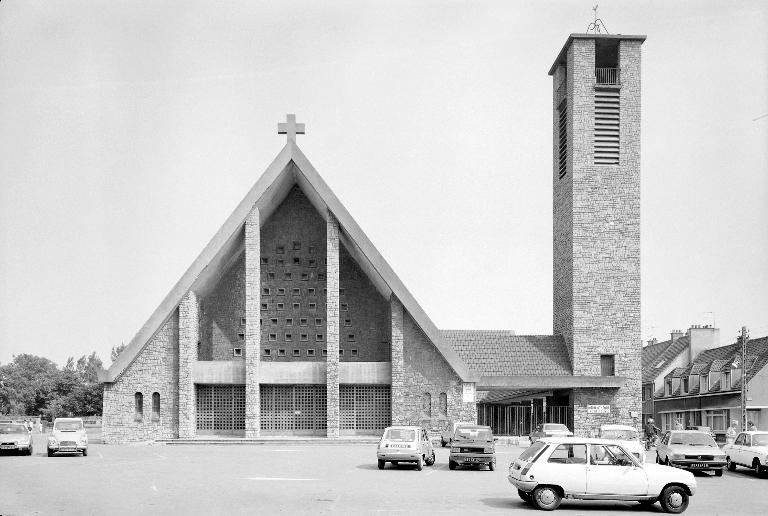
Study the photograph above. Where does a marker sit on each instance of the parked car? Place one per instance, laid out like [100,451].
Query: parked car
[749,450]
[68,436]
[690,449]
[447,434]
[15,437]
[627,436]
[595,469]
[549,430]
[703,429]
[405,444]
[472,445]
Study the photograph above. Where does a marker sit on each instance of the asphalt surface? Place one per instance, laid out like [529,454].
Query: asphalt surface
[298,479]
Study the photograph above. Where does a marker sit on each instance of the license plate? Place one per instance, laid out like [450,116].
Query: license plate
[698,465]
[67,449]
[398,446]
[473,459]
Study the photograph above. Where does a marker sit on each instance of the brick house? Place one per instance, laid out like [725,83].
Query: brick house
[291,322]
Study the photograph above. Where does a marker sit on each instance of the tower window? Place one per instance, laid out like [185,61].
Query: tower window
[562,135]
[607,128]
[607,365]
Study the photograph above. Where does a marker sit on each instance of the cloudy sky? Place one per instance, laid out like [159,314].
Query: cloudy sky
[129,131]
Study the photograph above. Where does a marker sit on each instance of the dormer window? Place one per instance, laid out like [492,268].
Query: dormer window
[668,388]
[685,385]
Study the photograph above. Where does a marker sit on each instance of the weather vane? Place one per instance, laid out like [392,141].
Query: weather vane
[597,26]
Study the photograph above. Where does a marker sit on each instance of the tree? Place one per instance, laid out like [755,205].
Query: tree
[116,351]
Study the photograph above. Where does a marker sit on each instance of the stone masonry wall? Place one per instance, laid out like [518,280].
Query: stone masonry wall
[155,369]
[221,325]
[427,372]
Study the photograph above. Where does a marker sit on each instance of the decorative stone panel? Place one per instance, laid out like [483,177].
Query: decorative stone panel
[252,323]
[188,338]
[332,310]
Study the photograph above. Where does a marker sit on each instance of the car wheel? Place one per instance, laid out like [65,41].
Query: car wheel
[762,472]
[674,499]
[526,497]
[492,466]
[419,464]
[546,498]
[442,443]
[731,464]
[50,452]
[380,463]
[85,452]
[431,460]
[451,465]
[719,472]
[666,461]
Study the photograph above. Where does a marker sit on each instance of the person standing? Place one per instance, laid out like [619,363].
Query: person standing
[730,434]
[751,427]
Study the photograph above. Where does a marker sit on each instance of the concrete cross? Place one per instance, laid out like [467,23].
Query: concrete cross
[290,127]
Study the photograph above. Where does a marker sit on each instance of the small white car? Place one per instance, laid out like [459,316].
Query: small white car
[595,469]
[749,450]
[405,444]
[625,435]
[68,436]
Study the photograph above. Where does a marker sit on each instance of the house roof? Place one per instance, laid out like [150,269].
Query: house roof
[502,353]
[659,357]
[289,168]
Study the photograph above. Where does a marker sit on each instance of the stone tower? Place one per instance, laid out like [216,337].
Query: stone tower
[596,219]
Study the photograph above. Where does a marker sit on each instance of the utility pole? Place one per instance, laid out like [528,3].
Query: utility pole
[744,389]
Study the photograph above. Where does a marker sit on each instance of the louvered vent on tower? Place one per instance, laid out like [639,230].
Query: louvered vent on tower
[606,127]
[562,131]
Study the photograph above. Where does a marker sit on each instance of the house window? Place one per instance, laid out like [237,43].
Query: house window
[685,385]
[237,352]
[264,306]
[325,352]
[668,388]
[264,260]
[242,321]
[727,380]
[607,365]
[351,336]
[138,406]
[318,322]
[310,352]
[280,262]
[342,291]
[321,276]
[155,406]
[304,276]
[313,263]
[311,249]
[341,352]
[303,321]
[288,276]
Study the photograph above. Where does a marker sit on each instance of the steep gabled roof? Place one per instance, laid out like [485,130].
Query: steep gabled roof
[658,357]
[288,168]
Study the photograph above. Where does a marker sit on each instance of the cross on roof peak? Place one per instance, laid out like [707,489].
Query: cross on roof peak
[290,127]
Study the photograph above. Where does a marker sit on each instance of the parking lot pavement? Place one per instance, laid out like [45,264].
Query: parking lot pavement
[297,479]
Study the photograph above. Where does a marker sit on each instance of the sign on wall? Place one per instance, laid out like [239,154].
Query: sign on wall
[598,409]
[469,393]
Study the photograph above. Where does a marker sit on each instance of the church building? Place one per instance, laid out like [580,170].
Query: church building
[290,322]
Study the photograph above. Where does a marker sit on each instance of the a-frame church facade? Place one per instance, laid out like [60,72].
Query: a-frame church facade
[290,322]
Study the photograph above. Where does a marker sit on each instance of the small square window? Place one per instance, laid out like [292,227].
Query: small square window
[288,337]
[311,249]
[281,292]
[325,352]
[321,276]
[312,263]
[264,306]
[303,321]
[347,322]
[313,306]
[296,306]
[267,352]
[280,249]
[264,260]
[341,352]
[296,260]
[296,352]
[310,352]
[319,337]
[280,306]
[351,336]
[325,291]
[353,352]
[273,320]
[318,321]
[304,276]
[241,336]
[237,352]
[271,275]
[304,337]
[265,291]
[289,321]
[288,276]
[280,262]
[242,321]
[261,322]
[342,291]
[311,291]
[273,337]
[281,352]
[344,307]
[296,246]
[296,291]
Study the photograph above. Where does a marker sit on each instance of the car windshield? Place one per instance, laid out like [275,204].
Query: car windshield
[693,439]
[474,433]
[400,434]
[556,428]
[532,450]
[68,426]
[760,440]
[621,435]
[7,428]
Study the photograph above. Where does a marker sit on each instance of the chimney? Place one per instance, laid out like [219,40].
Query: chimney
[676,334]
[653,341]
[703,337]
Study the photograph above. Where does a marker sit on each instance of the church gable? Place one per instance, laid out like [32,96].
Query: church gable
[221,313]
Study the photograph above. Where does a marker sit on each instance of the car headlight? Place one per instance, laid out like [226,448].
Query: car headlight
[51,440]
[719,457]
[488,450]
[454,449]
[676,456]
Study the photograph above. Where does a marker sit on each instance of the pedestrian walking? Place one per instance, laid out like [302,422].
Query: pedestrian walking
[730,434]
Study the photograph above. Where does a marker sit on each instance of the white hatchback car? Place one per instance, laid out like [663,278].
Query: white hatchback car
[595,469]
[405,444]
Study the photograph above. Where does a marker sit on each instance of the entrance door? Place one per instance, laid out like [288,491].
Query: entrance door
[293,410]
[220,409]
[364,409]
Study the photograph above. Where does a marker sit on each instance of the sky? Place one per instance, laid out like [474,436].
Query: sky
[129,131]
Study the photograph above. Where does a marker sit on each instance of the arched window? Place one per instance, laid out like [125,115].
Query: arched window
[426,405]
[443,408]
[155,406]
[138,399]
